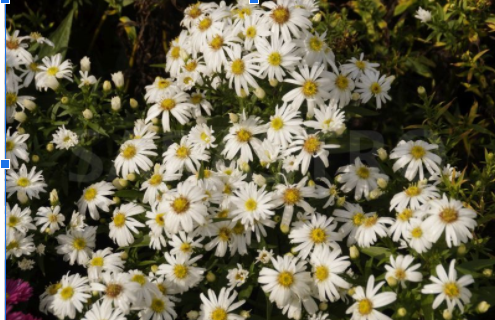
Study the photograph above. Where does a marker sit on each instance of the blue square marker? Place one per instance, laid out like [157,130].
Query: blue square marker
[250,1]
[6,2]
[5,164]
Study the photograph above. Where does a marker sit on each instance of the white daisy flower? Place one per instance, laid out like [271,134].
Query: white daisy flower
[159,308]
[284,124]
[202,136]
[77,246]
[357,67]
[199,102]
[254,29]
[402,223]
[221,307]
[401,270]
[353,216]
[448,172]
[12,100]
[317,233]
[18,244]
[176,53]
[184,244]
[77,221]
[329,191]
[184,154]
[285,18]
[289,279]
[416,154]
[313,86]
[264,256]
[117,288]
[220,234]
[451,216]
[447,287]
[180,271]
[415,196]
[268,153]
[173,103]
[134,156]
[104,261]
[16,148]
[371,226]
[241,70]
[328,119]
[29,183]
[156,185]
[361,178]
[314,48]
[341,87]
[146,289]
[241,137]
[291,195]
[252,204]
[216,51]
[103,311]
[161,86]
[207,27]
[123,224]
[327,266]
[64,139]
[368,301]
[94,197]
[71,296]
[50,219]
[52,70]
[86,79]
[14,45]
[18,220]
[185,208]
[237,276]
[423,15]
[417,236]
[371,85]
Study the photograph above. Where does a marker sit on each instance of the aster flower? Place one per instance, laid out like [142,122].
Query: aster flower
[29,183]
[16,148]
[415,154]
[76,246]
[220,307]
[134,156]
[94,197]
[401,270]
[52,70]
[71,296]
[124,224]
[241,137]
[284,124]
[372,85]
[64,139]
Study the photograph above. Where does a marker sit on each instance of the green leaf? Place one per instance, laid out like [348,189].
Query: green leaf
[129,194]
[471,267]
[60,38]
[427,307]
[246,293]
[402,6]
[376,252]
[97,128]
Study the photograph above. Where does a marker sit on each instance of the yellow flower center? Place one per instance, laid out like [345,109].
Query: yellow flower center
[227,189]
[13,221]
[400,274]
[11,99]
[90,194]
[53,218]
[113,290]
[418,152]
[162,288]
[191,65]
[33,66]
[285,279]
[129,152]
[67,293]
[342,82]
[205,137]
[52,71]
[275,59]
[312,145]
[361,65]
[223,214]
[292,196]
[182,152]
[79,244]
[159,219]
[363,172]
[185,247]
[196,98]
[315,44]
[413,191]
[358,219]
[167,104]
[310,88]
[449,215]
[181,271]
[163,83]
[318,235]
[157,305]
[405,215]
[243,135]
[139,278]
[251,32]
[370,221]
[251,204]
[237,67]
[205,24]
[280,15]
[156,179]
[451,290]
[97,262]
[119,220]
[375,88]
[277,123]
[180,205]
[321,273]
[224,234]
[175,53]
[216,43]
[218,314]
[12,245]
[23,182]
[195,11]
[365,307]
[12,44]
[239,228]
[10,145]
[53,289]
[417,233]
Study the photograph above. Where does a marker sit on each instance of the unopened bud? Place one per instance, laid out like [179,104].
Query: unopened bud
[447,315]
[234,118]
[28,104]
[35,158]
[482,307]
[124,256]
[421,90]
[22,197]
[487,272]
[116,104]
[273,82]
[103,221]
[355,96]
[118,79]
[21,130]
[53,197]
[317,17]
[192,315]
[323,306]
[461,250]
[489,157]
[116,184]
[154,268]
[131,177]
[155,120]
[284,228]
[341,129]
[277,219]
[340,201]
[50,147]
[354,252]
[20,116]
[87,114]
[116,200]
[85,64]
[260,93]
[155,129]
[351,291]
[402,312]
[382,183]
[392,281]
[134,104]
[382,154]
[95,293]
[123,182]
[64,100]
[107,86]
[210,277]
[375,194]
[200,120]
[245,314]
[244,93]
[259,180]
[311,183]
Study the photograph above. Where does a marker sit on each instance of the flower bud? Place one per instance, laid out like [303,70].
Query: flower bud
[323,306]
[245,314]
[487,272]
[28,104]
[382,154]
[340,201]
[118,79]
[124,256]
[284,228]
[234,118]
[85,64]
[64,100]
[35,158]
[482,307]
[22,197]
[317,17]
[338,178]
[131,177]
[20,116]
[54,197]
[95,293]
[259,180]
[87,114]
[402,312]
[116,200]
[155,129]
[245,166]
[375,194]
[351,291]
[116,184]
[210,277]
[489,156]
[461,250]
[421,90]
[200,120]
[354,252]
[447,315]
[382,183]
[192,315]
[355,96]
[311,183]
[341,129]
[134,104]
[50,147]
[154,268]
[260,93]
[107,86]
[391,281]
[273,82]
[21,130]
[277,218]
[123,182]
[116,104]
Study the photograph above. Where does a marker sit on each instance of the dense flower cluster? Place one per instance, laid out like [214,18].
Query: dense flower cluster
[223,191]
